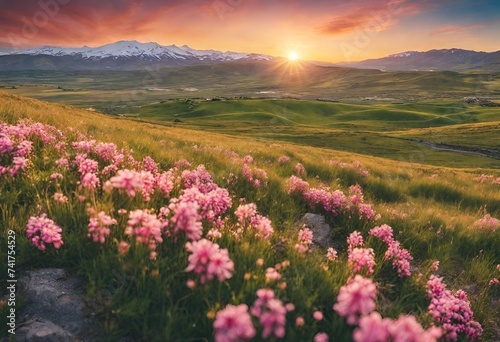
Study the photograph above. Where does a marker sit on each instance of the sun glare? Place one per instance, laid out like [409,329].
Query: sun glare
[293,56]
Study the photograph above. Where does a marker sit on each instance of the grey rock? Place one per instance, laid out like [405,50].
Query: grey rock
[41,330]
[321,230]
[55,308]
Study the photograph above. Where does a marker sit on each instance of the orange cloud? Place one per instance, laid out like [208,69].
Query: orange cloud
[374,16]
[451,29]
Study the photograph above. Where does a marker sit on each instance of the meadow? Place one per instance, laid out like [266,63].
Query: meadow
[164,242]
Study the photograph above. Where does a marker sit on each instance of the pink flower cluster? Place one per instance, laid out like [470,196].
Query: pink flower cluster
[271,314]
[199,178]
[186,219]
[99,227]
[208,261]
[249,219]
[146,228]
[374,328]
[305,240]
[355,239]
[60,198]
[42,231]
[14,149]
[255,176]
[233,323]
[355,166]
[400,257]
[299,169]
[331,254]
[452,311]
[212,204]
[361,259]
[297,185]
[283,160]
[483,178]
[335,202]
[355,299]
[487,223]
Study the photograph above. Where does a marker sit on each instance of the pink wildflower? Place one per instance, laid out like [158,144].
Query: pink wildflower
[245,212]
[494,281]
[372,328]
[321,337]
[435,266]
[487,223]
[452,311]
[90,181]
[283,159]
[305,236]
[299,321]
[318,316]
[55,176]
[299,169]
[361,258]
[355,239]
[62,163]
[199,178]
[60,198]
[208,260]
[271,314]
[130,181]
[186,219]
[146,228]
[123,247]
[297,185]
[99,227]
[42,230]
[356,298]
[406,328]
[272,274]
[233,324]
[331,254]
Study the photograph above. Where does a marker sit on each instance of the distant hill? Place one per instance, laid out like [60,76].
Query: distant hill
[445,59]
[122,55]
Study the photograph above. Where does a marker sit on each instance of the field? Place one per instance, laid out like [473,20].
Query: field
[114,91]
[384,129]
[441,206]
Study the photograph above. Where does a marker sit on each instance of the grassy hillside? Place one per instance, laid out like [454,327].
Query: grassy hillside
[435,213]
[385,130]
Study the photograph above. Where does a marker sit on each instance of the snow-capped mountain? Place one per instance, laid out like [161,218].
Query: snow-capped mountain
[444,59]
[122,55]
[135,49]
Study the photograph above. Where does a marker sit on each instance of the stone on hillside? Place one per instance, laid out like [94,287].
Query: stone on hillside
[54,310]
[321,230]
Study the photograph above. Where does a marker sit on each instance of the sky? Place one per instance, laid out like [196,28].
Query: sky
[321,30]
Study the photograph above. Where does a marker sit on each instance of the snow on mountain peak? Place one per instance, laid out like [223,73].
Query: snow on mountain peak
[133,48]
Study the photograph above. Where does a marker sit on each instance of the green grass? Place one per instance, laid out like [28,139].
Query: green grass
[431,208]
[383,130]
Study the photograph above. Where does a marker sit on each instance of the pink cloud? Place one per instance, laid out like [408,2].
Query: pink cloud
[371,16]
[451,29]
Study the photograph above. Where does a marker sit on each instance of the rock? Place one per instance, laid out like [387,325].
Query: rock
[321,230]
[55,309]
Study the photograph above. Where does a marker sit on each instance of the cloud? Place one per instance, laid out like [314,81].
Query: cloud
[452,29]
[370,16]
[77,21]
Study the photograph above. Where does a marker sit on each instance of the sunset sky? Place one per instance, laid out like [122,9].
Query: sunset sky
[326,30]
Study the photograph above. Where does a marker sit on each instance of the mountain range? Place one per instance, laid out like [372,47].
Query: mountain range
[444,59]
[119,55]
[133,55]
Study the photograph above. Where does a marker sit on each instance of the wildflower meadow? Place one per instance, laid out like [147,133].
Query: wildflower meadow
[181,239]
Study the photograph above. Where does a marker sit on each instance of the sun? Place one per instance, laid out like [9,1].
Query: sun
[293,55]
